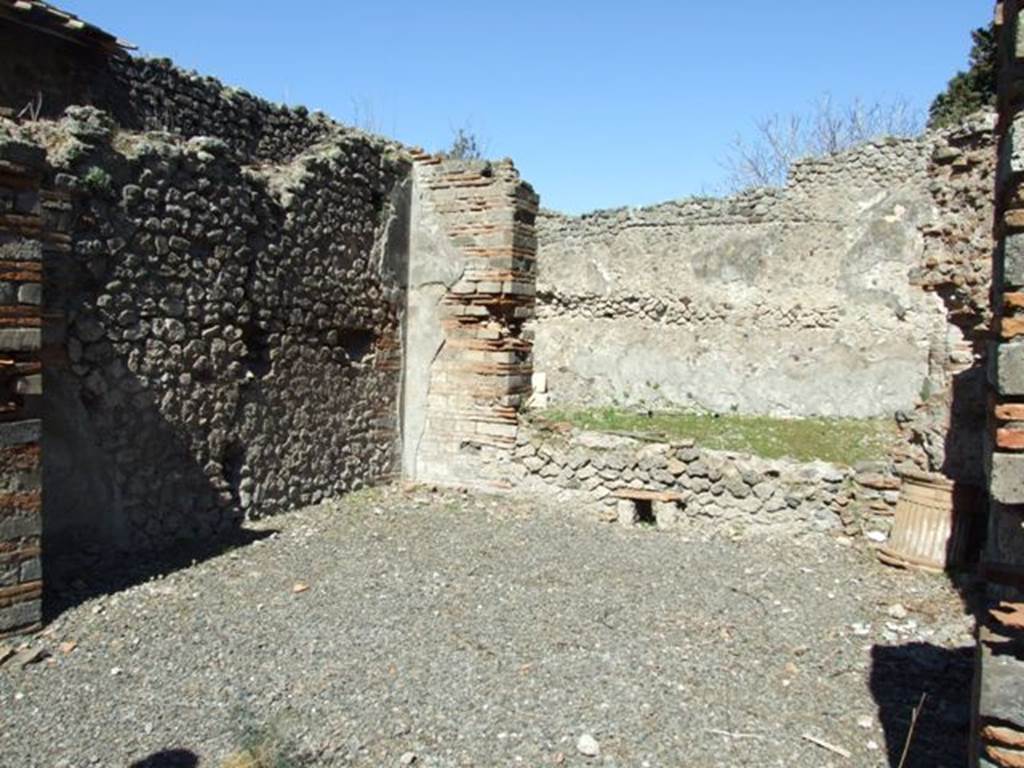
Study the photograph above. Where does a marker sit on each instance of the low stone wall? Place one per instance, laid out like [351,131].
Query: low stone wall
[712,490]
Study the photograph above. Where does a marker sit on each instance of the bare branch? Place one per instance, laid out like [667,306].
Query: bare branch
[765,159]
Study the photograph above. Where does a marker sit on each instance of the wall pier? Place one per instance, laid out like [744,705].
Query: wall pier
[30,222]
[998,729]
[472,275]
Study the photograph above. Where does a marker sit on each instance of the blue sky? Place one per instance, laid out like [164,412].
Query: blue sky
[600,104]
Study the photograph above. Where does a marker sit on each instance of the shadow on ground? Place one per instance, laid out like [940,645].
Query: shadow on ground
[71,579]
[171,758]
[900,675]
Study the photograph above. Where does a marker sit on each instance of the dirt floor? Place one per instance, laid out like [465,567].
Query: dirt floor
[430,629]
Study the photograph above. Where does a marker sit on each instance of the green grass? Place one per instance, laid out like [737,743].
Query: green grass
[840,441]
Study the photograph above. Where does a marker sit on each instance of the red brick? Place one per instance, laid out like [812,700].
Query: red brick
[1010,412]
[1010,439]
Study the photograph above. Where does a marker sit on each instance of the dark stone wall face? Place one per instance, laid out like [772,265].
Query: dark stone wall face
[157,96]
[224,340]
[223,336]
[998,714]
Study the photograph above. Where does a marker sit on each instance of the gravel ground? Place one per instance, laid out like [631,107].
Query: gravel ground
[448,630]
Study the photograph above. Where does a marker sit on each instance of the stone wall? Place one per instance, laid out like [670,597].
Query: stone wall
[946,430]
[231,343]
[471,290]
[793,302]
[689,487]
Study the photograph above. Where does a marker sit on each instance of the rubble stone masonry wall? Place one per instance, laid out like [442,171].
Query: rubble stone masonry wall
[232,335]
[690,487]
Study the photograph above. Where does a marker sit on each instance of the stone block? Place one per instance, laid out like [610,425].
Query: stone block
[30,385]
[539,382]
[1013,260]
[626,512]
[31,570]
[20,432]
[27,202]
[30,293]
[1002,684]
[21,615]
[21,152]
[666,513]
[534,463]
[1005,536]
[1006,478]
[9,575]
[1009,368]
[1018,36]
[20,339]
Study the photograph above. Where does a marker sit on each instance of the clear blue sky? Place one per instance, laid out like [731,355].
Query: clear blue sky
[600,104]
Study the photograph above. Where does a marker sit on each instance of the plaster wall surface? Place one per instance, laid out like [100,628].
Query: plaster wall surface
[434,267]
[791,302]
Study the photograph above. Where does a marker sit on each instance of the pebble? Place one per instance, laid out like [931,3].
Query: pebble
[588,746]
[407,758]
[897,611]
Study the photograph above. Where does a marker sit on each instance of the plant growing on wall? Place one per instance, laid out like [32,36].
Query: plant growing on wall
[465,146]
[97,180]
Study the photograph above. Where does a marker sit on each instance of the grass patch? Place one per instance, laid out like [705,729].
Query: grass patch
[840,441]
[262,745]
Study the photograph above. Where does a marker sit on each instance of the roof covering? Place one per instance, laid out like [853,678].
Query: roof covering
[51,20]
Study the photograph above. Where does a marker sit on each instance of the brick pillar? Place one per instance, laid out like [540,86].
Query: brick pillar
[24,239]
[482,372]
[998,730]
